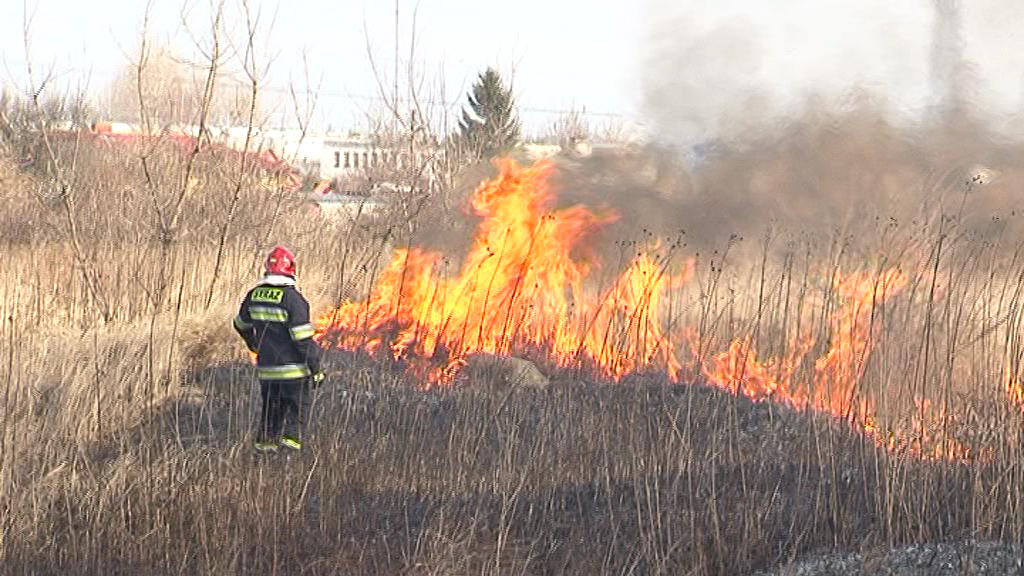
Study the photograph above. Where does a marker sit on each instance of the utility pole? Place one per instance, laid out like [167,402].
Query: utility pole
[394,98]
[946,59]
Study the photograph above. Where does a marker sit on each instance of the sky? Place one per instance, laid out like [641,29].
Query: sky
[644,62]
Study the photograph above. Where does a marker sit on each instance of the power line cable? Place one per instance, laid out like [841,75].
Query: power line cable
[443,103]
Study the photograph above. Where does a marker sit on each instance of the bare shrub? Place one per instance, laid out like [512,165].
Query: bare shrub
[116,192]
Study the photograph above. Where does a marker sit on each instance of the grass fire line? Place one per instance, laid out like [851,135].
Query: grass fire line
[524,290]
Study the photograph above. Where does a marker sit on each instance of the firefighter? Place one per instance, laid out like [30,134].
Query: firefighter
[274,322]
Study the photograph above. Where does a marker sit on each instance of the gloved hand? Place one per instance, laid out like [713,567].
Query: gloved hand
[317,379]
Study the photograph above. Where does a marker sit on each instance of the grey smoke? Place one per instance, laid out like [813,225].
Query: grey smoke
[729,159]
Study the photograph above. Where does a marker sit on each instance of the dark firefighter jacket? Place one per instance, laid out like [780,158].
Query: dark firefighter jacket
[274,322]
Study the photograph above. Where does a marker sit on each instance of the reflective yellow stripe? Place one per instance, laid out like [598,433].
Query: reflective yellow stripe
[302,331]
[266,314]
[291,442]
[284,372]
[241,324]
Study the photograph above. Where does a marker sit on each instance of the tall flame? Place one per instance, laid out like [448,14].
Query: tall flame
[520,287]
[854,336]
[1014,387]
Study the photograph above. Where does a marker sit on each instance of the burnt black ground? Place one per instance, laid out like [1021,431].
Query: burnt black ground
[642,477]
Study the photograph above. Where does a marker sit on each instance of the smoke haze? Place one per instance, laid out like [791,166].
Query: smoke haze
[815,120]
[811,121]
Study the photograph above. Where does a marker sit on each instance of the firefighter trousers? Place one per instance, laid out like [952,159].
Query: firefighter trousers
[286,407]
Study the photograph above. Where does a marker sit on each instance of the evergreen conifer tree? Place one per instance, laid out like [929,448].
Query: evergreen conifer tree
[489,126]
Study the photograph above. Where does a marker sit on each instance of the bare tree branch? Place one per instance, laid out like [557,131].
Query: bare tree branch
[62,176]
[250,64]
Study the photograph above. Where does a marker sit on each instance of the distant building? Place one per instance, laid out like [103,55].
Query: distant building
[350,162]
[350,157]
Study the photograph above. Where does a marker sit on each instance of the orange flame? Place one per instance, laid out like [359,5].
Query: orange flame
[926,434]
[841,369]
[838,374]
[838,371]
[1014,388]
[738,370]
[520,288]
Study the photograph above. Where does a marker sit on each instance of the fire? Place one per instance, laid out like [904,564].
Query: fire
[1014,388]
[854,333]
[837,372]
[525,288]
[521,288]
[739,370]
[625,333]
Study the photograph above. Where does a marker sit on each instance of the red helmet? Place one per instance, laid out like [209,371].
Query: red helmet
[281,261]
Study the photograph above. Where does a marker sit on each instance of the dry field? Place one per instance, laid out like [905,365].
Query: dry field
[788,400]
